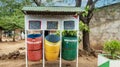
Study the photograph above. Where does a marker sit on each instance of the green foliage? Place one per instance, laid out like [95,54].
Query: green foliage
[15,21]
[112,47]
[85,13]
[58,33]
[69,33]
[83,26]
[11,16]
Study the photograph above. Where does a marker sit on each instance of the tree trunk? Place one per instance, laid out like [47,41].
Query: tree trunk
[14,36]
[78,3]
[0,35]
[86,20]
[86,41]
[38,2]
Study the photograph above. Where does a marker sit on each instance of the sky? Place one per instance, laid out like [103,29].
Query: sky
[100,3]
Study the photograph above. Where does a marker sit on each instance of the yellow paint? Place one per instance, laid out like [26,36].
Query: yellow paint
[52,50]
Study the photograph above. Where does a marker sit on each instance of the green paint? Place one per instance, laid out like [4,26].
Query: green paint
[69,48]
[106,64]
[53,9]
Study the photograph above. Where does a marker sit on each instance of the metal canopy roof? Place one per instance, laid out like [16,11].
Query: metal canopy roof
[52,10]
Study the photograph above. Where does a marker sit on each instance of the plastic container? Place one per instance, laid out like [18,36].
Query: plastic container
[52,47]
[69,48]
[69,54]
[34,41]
[69,43]
[34,44]
[50,56]
[35,55]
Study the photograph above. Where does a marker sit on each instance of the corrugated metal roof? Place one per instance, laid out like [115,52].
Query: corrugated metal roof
[52,9]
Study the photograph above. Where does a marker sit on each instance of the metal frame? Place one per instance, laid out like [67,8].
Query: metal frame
[43,32]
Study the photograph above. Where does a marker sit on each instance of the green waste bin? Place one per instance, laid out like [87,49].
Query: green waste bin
[69,48]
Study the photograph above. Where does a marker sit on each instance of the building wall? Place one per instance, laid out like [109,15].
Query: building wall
[46,18]
[105,24]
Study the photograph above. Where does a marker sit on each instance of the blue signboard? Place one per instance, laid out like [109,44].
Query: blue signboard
[34,24]
[69,25]
[52,24]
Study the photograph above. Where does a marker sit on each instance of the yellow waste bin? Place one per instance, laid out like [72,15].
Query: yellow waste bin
[52,48]
[50,56]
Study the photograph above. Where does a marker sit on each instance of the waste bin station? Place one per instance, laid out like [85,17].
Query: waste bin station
[44,27]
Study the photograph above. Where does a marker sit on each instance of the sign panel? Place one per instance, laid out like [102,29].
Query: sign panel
[52,24]
[69,25]
[34,24]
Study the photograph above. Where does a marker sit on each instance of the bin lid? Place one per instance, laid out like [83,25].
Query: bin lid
[34,35]
[53,38]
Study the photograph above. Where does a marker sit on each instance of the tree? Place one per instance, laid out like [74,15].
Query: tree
[1,28]
[17,24]
[78,3]
[38,2]
[85,17]
[14,22]
[11,17]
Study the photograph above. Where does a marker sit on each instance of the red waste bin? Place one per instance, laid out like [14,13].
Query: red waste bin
[35,55]
[34,44]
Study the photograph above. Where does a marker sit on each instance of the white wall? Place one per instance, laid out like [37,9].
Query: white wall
[45,18]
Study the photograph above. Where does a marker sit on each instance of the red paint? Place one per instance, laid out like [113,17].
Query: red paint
[35,55]
[75,16]
[34,44]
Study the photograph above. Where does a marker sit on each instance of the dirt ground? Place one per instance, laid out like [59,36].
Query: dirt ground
[6,47]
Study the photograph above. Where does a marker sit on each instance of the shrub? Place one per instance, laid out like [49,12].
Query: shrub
[69,33]
[112,47]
